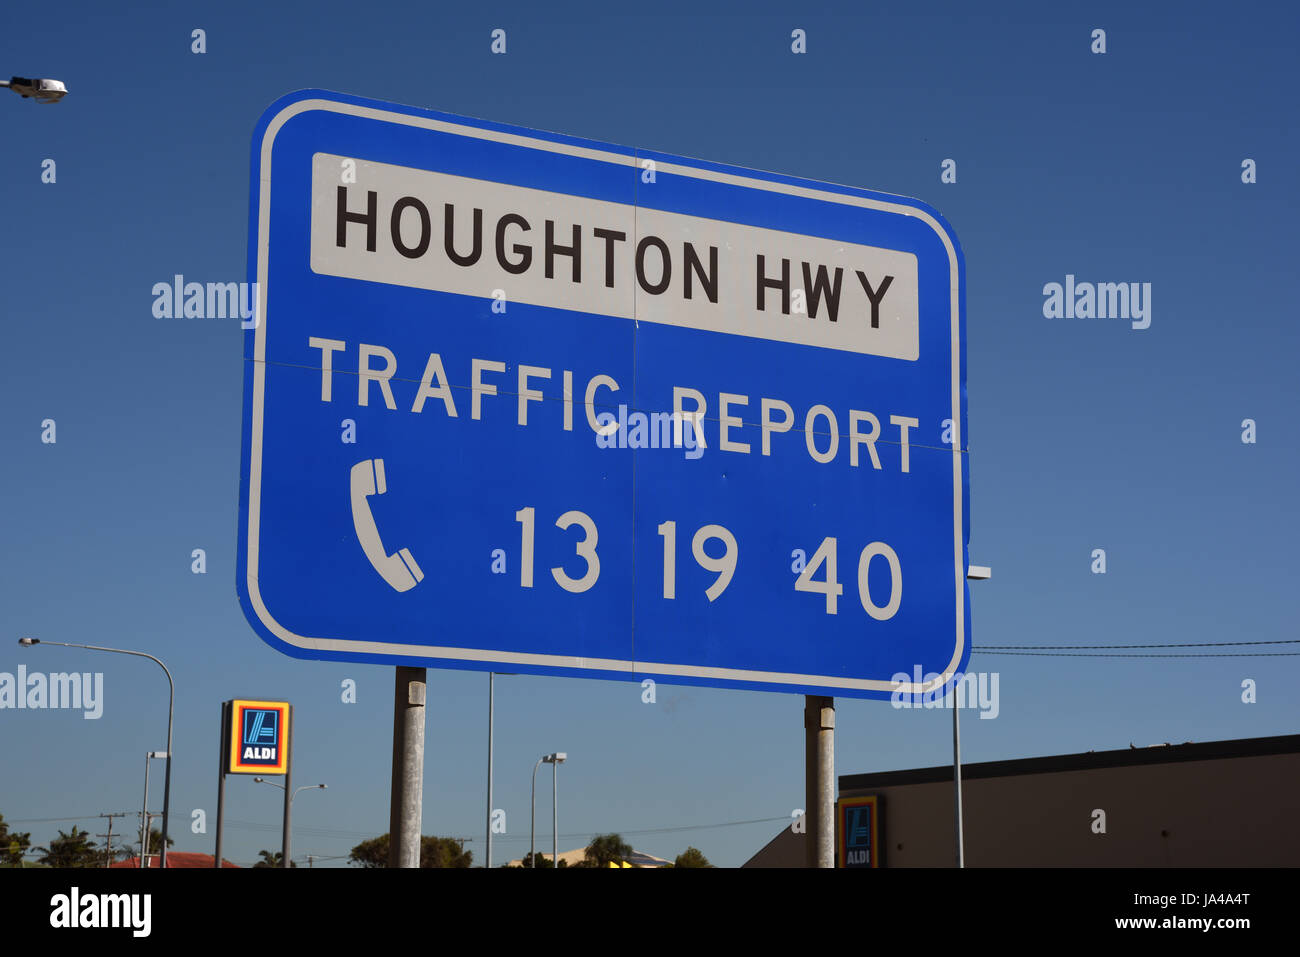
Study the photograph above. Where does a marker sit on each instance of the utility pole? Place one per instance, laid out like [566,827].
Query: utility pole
[108,846]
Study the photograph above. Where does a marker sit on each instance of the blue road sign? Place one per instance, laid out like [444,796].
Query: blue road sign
[521,401]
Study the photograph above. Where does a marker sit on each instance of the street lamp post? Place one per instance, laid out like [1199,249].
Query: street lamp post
[973,573]
[171,702]
[532,830]
[556,760]
[552,759]
[288,807]
[144,811]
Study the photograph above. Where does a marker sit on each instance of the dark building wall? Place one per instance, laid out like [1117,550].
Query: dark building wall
[1218,804]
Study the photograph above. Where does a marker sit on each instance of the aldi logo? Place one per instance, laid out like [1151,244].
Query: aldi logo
[857,823]
[258,735]
[261,736]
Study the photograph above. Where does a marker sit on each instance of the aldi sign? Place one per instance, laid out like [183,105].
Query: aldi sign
[256,733]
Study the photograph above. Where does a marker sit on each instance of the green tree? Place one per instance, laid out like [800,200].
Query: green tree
[371,853]
[543,862]
[444,852]
[72,850]
[131,851]
[691,857]
[13,844]
[155,841]
[271,859]
[434,852]
[606,849]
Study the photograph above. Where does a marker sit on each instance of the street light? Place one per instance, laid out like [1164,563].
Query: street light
[974,573]
[553,760]
[42,91]
[491,709]
[144,811]
[288,807]
[171,702]
[305,787]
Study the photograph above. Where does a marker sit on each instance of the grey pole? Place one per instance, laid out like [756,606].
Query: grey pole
[532,830]
[221,808]
[491,703]
[288,792]
[171,701]
[956,777]
[973,573]
[167,779]
[555,815]
[408,768]
[819,779]
[221,779]
[144,815]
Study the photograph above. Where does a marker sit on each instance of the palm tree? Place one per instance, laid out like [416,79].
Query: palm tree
[13,844]
[606,849]
[71,850]
[272,859]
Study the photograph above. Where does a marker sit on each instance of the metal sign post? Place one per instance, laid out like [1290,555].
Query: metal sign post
[956,778]
[491,711]
[408,768]
[285,839]
[819,779]
[223,751]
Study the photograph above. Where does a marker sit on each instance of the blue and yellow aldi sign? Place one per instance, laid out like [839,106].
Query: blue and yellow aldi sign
[257,735]
[857,823]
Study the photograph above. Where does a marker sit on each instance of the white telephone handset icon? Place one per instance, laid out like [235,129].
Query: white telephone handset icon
[400,569]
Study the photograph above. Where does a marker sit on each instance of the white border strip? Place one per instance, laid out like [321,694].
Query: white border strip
[568,661]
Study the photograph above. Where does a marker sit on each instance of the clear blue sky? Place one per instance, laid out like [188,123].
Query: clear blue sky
[1084,433]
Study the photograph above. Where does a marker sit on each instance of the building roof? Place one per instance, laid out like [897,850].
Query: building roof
[575,857]
[1089,760]
[176,859]
[786,849]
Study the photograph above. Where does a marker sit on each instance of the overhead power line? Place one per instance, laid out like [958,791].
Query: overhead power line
[648,830]
[78,819]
